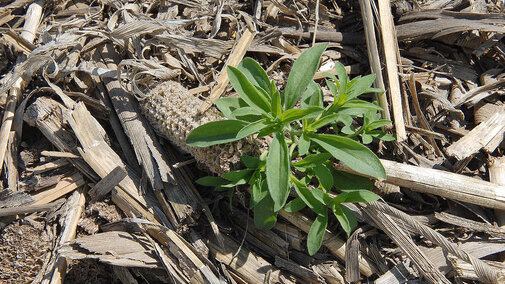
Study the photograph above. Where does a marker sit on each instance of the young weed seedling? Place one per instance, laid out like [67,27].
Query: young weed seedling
[302,150]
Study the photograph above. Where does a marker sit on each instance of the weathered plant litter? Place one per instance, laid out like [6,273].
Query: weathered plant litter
[97,179]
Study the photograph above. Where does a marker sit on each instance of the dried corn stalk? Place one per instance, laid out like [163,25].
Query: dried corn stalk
[173,113]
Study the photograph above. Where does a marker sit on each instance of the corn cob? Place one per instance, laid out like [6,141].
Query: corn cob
[173,113]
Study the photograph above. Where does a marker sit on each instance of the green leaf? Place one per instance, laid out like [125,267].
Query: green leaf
[232,184]
[256,176]
[361,104]
[276,104]
[347,181]
[373,90]
[264,214]
[302,73]
[259,191]
[316,233]
[348,129]
[228,105]
[312,160]
[216,132]
[384,136]
[253,128]
[254,73]
[341,73]
[360,86]
[247,91]
[343,81]
[210,181]
[313,96]
[249,161]
[366,139]
[333,88]
[277,171]
[306,195]
[352,153]
[297,114]
[238,175]
[268,130]
[303,145]
[223,188]
[244,112]
[350,217]
[250,118]
[339,198]
[295,205]
[377,124]
[342,218]
[353,196]
[323,174]
[325,120]
[265,93]
[321,196]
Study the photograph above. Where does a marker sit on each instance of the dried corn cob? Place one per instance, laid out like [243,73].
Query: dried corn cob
[173,113]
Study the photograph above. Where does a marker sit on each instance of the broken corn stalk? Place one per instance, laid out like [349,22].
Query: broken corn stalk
[173,113]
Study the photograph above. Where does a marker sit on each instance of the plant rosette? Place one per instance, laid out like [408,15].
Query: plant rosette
[307,138]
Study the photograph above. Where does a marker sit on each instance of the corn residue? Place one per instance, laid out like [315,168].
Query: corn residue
[173,113]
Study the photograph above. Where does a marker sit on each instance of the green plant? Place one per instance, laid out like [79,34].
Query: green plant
[302,150]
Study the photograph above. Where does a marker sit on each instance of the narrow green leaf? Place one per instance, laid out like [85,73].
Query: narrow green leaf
[333,88]
[339,198]
[253,128]
[210,181]
[366,139]
[384,136]
[256,176]
[373,90]
[378,123]
[313,96]
[354,196]
[361,104]
[223,188]
[302,73]
[247,114]
[238,175]
[216,132]
[247,91]
[316,233]
[254,73]
[352,153]
[233,184]
[360,86]
[259,190]
[348,129]
[249,161]
[264,93]
[276,104]
[347,181]
[245,111]
[303,145]
[350,218]
[343,81]
[325,120]
[268,130]
[277,171]
[228,105]
[321,196]
[323,174]
[306,195]
[264,214]
[297,114]
[295,205]
[312,160]
[342,218]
